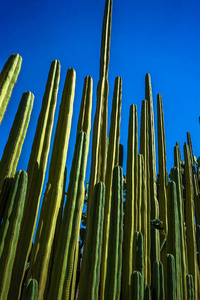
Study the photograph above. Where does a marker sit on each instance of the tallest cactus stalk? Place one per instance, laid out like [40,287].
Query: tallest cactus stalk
[8,78]
[99,142]
[155,240]
[51,204]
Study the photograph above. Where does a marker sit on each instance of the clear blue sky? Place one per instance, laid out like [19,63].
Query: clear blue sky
[158,37]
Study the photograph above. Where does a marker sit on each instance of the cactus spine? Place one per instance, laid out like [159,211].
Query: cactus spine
[8,78]
[10,229]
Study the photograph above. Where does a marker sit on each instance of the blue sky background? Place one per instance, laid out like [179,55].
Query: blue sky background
[158,37]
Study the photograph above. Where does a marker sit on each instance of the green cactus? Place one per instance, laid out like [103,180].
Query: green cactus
[129,218]
[175,176]
[10,229]
[51,203]
[138,252]
[158,289]
[155,239]
[171,278]
[137,286]
[90,271]
[144,150]
[36,172]
[190,286]
[8,78]
[147,292]
[190,233]
[30,290]
[114,259]
[12,150]
[174,238]
[112,160]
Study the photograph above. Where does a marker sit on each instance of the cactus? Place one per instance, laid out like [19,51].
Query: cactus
[112,160]
[53,195]
[147,292]
[190,286]
[114,260]
[129,224]
[137,286]
[158,281]
[173,239]
[10,229]
[8,78]
[12,150]
[146,209]
[138,253]
[36,172]
[171,278]
[30,291]
[90,271]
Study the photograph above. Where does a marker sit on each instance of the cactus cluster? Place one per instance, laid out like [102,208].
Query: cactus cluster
[140,233]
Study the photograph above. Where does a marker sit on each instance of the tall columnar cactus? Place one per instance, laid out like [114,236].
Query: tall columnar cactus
[30,291]
[175,176]
[8,78]
[190,286]
[10,229]
[138,252]
[173,239]
[155,239]
[12,150]
[137,286]
[144,150]
[99,142]
[190,231]
[69,232]
[163,176]
[90,271]
[49,212]
[114,258]
[129,219]
[36,172]
[171,278]
[158,289]
[112,160]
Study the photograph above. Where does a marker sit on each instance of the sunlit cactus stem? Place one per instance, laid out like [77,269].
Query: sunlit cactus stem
[12,150]
[8,78]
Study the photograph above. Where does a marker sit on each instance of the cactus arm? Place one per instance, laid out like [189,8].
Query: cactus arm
[8,78]
[158,289]
[171,277]
[30,291]
[137,286]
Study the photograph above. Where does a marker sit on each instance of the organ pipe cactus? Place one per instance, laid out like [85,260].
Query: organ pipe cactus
[171,278]
[129,224]
[173,239]
[10,230]
[12,150]
[138,253]
[190,285]
[69,231]
[137,286]
[112,160]
[8,78]
[30,291]
[90,271]
[36,172]
[53,195]
[147,292]
[158,289]
[190,233]
[155,239]
[114,259]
